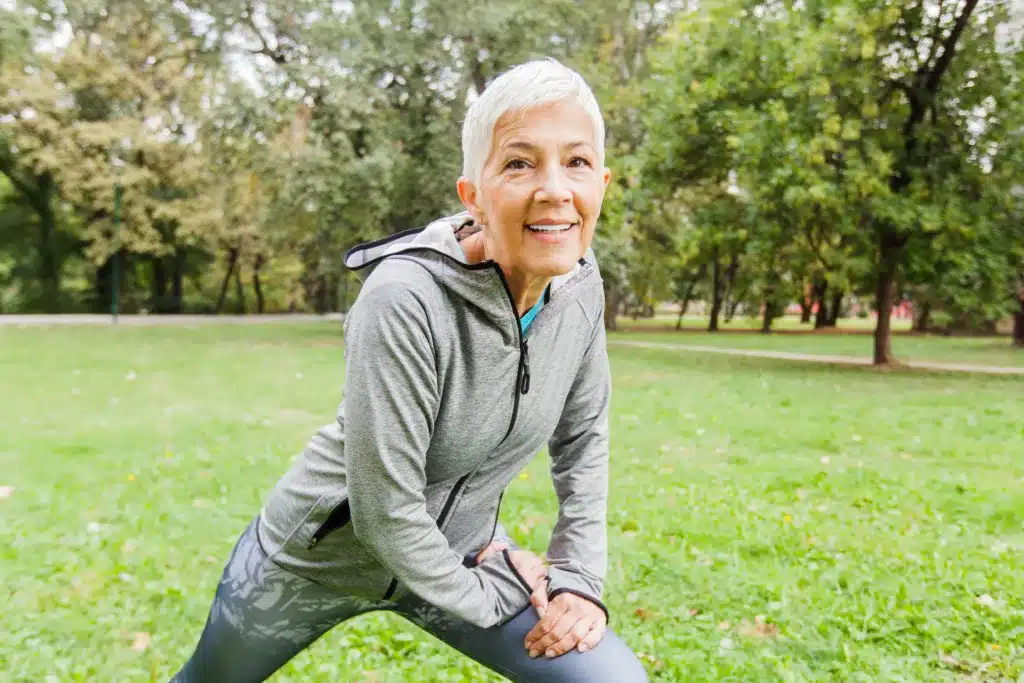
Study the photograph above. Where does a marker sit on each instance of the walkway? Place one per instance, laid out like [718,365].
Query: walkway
[816,358]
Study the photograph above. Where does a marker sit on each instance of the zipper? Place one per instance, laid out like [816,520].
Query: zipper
[451,500]
[441,518]
[338,518]
[523,373]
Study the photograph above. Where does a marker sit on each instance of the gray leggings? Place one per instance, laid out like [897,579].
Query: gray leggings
[262,616]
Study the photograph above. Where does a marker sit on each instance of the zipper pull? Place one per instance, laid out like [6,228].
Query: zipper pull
[524,385]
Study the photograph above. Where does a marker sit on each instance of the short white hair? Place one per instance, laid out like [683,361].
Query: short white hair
[528,85]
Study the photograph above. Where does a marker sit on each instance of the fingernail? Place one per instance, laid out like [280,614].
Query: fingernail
[533,654]
[583,648]
[549,653]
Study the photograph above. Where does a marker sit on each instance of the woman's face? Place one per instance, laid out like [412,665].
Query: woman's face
[540,192]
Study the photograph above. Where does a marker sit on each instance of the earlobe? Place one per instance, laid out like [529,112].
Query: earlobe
[467,193]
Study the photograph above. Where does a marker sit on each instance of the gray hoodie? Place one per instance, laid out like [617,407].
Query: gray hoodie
[444,403]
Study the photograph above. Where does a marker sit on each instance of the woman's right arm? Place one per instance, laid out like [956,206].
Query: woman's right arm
[391,401]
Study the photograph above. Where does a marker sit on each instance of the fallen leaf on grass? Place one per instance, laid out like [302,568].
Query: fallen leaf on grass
[644,613]
[141,641]
[759,629]
[953,662]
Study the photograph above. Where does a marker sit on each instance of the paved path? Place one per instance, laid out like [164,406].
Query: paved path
[816,358]
[164,320]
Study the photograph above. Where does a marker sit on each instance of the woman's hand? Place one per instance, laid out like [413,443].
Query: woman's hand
[530,566]
[570,622]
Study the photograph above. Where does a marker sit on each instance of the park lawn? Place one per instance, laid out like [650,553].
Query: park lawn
[768,521]
[667,321]
[996,351]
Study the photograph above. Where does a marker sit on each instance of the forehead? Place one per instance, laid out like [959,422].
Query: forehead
[556,124]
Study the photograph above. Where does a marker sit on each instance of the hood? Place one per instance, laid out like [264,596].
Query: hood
[436,248]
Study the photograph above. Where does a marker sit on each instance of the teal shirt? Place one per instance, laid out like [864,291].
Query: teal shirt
[528,317]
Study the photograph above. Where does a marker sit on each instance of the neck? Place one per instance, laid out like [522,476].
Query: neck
[526,289]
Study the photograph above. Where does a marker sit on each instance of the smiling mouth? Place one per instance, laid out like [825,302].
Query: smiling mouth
[559,227]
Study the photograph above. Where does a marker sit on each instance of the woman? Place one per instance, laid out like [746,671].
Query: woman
[473,344]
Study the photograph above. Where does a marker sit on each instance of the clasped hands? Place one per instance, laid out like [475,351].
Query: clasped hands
[566,622]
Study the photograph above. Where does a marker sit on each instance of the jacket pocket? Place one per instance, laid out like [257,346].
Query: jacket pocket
[337,518]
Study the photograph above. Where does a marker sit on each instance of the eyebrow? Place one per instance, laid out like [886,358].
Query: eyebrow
[520,144]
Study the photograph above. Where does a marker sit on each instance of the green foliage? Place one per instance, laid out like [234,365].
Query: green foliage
[774,145]
[840,122]
[876,533]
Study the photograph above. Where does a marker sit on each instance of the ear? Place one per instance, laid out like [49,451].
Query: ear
[605,178]
[469,197]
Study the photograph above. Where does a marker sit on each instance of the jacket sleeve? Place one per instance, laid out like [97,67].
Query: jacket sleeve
[578,552]
[391,402]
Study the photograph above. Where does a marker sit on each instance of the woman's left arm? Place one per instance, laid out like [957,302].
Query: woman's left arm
[578,551]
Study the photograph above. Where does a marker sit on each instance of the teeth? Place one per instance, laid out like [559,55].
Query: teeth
[552,228]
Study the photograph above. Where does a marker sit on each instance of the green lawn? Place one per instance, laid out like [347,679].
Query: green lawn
[768,521]
[972,350]
[667,321]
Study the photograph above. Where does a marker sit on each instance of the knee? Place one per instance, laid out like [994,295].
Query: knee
[612,662]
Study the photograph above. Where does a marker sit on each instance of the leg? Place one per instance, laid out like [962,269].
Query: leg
[501,649]
[261,617]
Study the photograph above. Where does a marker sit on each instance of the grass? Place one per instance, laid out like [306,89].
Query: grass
[667,321]
[971,350]
[768,521]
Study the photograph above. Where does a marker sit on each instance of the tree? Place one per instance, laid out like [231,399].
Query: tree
[857,115]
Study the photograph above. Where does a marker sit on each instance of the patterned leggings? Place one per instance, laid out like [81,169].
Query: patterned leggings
[262,616]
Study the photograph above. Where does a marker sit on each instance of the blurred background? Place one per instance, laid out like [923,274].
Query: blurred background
[827,159]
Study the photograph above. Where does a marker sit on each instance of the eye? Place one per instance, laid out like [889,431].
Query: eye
[516,165]
[579,162]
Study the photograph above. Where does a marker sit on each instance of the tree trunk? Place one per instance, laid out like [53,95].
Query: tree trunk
[821,317]
[158,288]
[768,317]
[240,289]
[730,300]
[806,305]
[923,319]
[685,303]
[836,309]
[103,288]
[611,309]
[716,295]
[1018,321]
[232,261]
[177,303]
[321,295]
[49,260]
[889,254]
[257,286]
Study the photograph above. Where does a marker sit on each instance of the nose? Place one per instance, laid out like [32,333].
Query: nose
[554,187]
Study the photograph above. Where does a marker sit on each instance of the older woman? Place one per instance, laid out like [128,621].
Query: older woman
[473,344]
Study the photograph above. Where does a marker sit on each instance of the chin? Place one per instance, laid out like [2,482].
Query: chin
[555,265]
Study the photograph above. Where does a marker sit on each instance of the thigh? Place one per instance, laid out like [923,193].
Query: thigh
[501,649]
[261,617]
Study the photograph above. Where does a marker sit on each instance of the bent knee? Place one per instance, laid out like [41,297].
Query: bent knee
[612,661]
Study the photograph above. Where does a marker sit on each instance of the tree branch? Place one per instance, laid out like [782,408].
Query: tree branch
[275,54]
[949,47]
[7,168]
[934,47]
